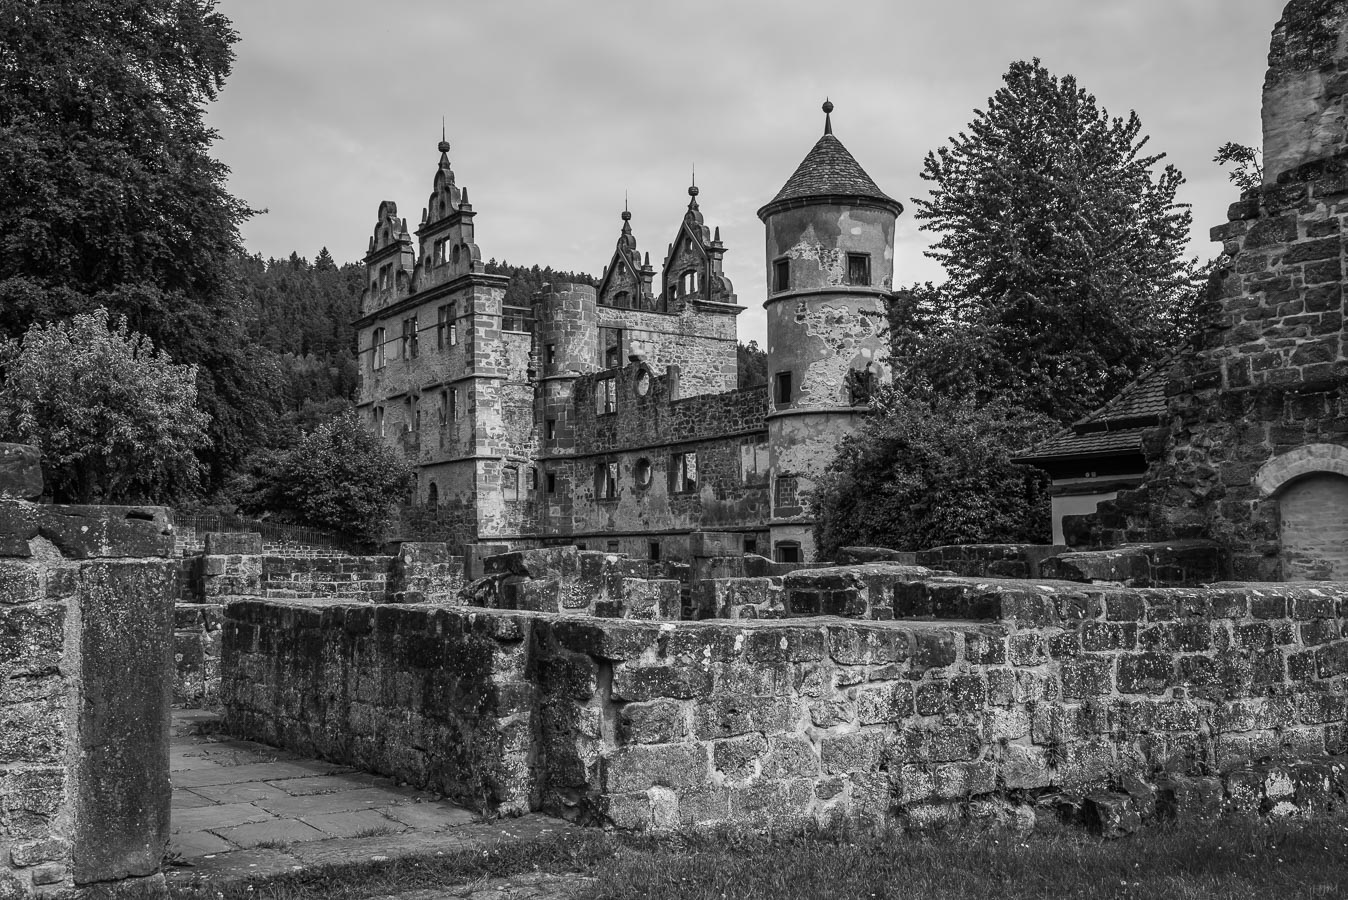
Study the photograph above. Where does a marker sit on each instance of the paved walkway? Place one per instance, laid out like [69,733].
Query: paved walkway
[243,809]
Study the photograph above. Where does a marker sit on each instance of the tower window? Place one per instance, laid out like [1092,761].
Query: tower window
[783,383]
[655,551]
[859,268]
[510,483]
[432,496]
[550,430]
[551,356]
[551,481]
[781,275]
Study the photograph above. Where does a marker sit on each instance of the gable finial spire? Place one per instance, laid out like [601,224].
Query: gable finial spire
[828,118]
[692,190]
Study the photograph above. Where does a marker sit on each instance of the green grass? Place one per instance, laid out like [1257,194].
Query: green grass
[1227,859]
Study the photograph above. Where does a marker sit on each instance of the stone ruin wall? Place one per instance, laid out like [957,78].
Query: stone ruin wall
[86,599]
[949,699]
[1264,391]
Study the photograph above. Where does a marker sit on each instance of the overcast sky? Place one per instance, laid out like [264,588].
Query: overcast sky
[556,109]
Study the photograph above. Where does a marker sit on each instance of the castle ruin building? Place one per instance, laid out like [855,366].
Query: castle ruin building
[610,416]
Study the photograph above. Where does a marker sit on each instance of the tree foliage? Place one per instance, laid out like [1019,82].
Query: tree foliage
[339,476]
[751,365]
[109,196]
[1063,246]
[1247,164]
[925,471]
[116,420]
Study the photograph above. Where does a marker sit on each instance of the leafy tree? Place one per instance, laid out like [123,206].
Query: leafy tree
[115,419]
[1247,163]
[933,470]
[109,196]
[751,364]
[1062,242]
[340,476]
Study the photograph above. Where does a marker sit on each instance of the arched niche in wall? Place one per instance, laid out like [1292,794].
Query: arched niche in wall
[1310,485]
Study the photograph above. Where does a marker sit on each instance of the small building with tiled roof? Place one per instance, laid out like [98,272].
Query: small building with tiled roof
[1102,453]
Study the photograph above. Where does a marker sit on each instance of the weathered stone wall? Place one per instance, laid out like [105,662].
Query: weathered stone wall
[362,578]
[1267,380]
[1041,690]
[86,673]
[564,579]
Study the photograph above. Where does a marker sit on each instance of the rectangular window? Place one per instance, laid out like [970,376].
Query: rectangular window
[516,318]
[859,268]
[377,349]
[753,461]
[551,481]
[611,346]
[552,354]
[453,333]
[444,408]
[606,480]
[781,275]
[655,550]
[783,386]
[788,552]
[532,480]
[454,409]
[612,546]
[409,340]
[785,496]
[439,255]
[385,276]
[510,483]
[683,473]
[750,546]
[550,430]
[442,326]
[379,420]
[605,396]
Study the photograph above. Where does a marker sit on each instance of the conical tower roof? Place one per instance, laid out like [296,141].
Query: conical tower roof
[829,172]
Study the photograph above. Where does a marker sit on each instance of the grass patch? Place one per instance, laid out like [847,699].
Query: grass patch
[1226,859]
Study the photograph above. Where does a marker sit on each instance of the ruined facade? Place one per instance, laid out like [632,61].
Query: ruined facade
[1255,450]
[610,417]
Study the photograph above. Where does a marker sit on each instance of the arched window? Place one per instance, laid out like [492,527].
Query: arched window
[455,254]
[432,496]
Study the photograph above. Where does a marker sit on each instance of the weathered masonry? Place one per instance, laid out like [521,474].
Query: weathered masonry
[1253,449]
[609,417]
[86,674]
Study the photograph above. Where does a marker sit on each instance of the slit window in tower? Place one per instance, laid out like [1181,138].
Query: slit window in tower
[552,354]
[859,268]
[611,341]
[550,430]
[783,388]
[781,275]
[551,482]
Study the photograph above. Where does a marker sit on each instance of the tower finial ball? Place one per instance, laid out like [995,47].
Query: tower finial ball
[828,107]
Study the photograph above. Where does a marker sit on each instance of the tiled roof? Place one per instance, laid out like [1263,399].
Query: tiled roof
[829,169]
[1094,443]
[1144,398]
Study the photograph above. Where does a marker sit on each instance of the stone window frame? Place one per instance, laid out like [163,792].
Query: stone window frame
[377,413]
[610,357]
[783,549]
[550,430]
[432,495]
[550,482]
[690,282]
[781,274]
[510,483]
[653,550]
[408,346]
[1312,459]
[786,494]
[643,473]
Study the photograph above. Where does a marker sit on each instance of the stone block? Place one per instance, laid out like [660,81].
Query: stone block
[1111,815]
[655,722]
[679,767]
[91,532]
[640,683]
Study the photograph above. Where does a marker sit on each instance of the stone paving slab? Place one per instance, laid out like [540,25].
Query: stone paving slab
[245,810]
[523,887]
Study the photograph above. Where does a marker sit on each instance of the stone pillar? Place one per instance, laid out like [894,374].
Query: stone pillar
[86,674]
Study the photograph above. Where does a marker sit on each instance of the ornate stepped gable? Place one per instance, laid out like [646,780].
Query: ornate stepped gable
[627,279]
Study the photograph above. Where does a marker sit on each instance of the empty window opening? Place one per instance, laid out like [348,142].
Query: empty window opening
[786,494]
[551,481]
[606,480]
[788,551]
[612,546]
[550,430]
[683,473]
[432,496]
[611,345]
[377,349]
[409,339]
[781,275]
[510,483]
[641,473]
[606,396]
[655,550]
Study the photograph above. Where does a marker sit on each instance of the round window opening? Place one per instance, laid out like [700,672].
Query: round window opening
[643,383]
[643,472]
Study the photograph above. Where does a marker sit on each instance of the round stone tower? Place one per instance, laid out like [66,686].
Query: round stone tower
[830,263]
